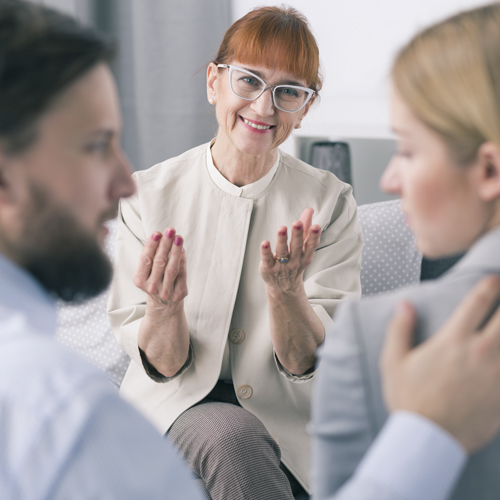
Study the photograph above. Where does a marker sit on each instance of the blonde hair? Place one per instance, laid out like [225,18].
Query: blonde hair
[449,76]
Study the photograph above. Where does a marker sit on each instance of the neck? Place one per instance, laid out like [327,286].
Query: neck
[241,168]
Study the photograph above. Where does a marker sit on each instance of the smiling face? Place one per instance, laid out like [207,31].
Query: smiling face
[253,127]
[56,195]
[447,206]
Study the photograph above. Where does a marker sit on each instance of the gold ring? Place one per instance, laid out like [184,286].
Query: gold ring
[281,260]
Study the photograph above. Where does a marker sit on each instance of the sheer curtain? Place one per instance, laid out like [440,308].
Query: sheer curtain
[164,47]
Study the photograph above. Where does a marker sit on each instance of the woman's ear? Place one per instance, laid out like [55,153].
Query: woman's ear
[212,75]
[488,165]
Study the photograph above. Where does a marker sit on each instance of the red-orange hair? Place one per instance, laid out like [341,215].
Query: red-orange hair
[273,37]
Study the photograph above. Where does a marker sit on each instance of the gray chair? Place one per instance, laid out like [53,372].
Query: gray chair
[86,329]
[390,259]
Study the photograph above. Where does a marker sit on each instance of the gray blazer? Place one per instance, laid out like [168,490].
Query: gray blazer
[349,402]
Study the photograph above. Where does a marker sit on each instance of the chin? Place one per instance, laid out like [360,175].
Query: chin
[102,234]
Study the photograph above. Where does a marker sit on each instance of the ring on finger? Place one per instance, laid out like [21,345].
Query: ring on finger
[281,260]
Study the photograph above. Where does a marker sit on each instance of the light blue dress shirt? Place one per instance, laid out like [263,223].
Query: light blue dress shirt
[411,459]
[64,431]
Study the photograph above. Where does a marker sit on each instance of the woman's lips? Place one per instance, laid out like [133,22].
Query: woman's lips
[254,126]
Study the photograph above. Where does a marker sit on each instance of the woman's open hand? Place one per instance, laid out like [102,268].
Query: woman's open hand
[287,275]
[161,271]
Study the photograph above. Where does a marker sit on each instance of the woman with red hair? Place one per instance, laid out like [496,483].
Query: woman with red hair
[227,371]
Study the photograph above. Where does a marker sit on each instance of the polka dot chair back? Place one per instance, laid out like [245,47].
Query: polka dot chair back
[390,259]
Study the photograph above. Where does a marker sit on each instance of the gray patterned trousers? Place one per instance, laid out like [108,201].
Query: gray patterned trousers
[231,451]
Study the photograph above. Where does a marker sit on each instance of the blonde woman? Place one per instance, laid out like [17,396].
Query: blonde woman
[446,116]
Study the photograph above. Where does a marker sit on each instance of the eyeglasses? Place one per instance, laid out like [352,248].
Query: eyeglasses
[246,85]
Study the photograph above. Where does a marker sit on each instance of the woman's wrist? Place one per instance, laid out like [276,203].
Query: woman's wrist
[156,309]
[164,337]
[289,295]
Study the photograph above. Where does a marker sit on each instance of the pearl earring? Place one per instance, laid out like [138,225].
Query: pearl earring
[211,101]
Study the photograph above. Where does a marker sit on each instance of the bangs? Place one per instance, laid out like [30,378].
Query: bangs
[273,38]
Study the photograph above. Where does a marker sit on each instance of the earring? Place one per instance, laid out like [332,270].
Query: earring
[211,101]
[298,125]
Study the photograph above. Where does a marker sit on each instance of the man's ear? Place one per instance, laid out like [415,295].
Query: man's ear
[487,164]
[11,177]
[3,171]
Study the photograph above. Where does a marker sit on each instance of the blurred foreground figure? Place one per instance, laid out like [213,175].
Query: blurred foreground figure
[64,432]
[446,117]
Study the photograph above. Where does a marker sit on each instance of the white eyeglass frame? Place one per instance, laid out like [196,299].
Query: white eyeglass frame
[230,67]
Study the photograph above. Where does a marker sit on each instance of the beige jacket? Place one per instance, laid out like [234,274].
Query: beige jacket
[222,234]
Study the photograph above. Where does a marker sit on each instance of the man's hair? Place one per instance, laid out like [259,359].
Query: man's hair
[41,53]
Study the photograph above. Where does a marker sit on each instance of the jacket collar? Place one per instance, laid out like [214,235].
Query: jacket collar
[484,254]
[250,191]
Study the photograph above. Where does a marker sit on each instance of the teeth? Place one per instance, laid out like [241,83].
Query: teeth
[259,127]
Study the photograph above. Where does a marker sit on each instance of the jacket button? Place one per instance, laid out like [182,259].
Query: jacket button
[237,336]
[244,391]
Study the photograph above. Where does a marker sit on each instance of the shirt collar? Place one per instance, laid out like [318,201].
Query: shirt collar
[21,292]
[250,190]
[485,253]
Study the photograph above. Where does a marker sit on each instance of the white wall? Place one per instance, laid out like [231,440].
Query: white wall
[357,41]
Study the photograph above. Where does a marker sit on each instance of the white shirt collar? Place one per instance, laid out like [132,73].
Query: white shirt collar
[250,190]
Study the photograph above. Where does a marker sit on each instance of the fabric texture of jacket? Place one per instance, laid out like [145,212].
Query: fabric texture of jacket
[222,235]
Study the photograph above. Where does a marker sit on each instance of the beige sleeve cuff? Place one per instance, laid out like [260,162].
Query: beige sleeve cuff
[309,374]
[297,379]
[155,375]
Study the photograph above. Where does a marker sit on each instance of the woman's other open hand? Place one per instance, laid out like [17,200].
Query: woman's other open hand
[162,272]
[288,277]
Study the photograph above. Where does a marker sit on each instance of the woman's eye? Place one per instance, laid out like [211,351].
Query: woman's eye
[404,154]
[288,92]
[250,81]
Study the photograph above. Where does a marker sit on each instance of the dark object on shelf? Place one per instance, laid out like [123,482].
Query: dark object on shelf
[334,157]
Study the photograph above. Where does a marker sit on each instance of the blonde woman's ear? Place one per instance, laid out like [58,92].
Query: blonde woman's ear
[488,164]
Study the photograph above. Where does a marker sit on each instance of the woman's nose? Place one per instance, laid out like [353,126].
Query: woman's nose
[263,105]
[390,181]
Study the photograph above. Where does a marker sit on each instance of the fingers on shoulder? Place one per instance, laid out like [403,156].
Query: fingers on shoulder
[472,311]
[399,335]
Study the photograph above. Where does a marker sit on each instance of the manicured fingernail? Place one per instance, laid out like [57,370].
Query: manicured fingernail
[178,241]
[298,226]
[156,236]
[282,233]
[315,231]
[265,247]
[170,233]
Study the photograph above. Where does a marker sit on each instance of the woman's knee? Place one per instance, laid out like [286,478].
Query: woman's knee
[222,429]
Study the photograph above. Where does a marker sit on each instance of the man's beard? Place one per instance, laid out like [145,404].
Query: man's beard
[65,258]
